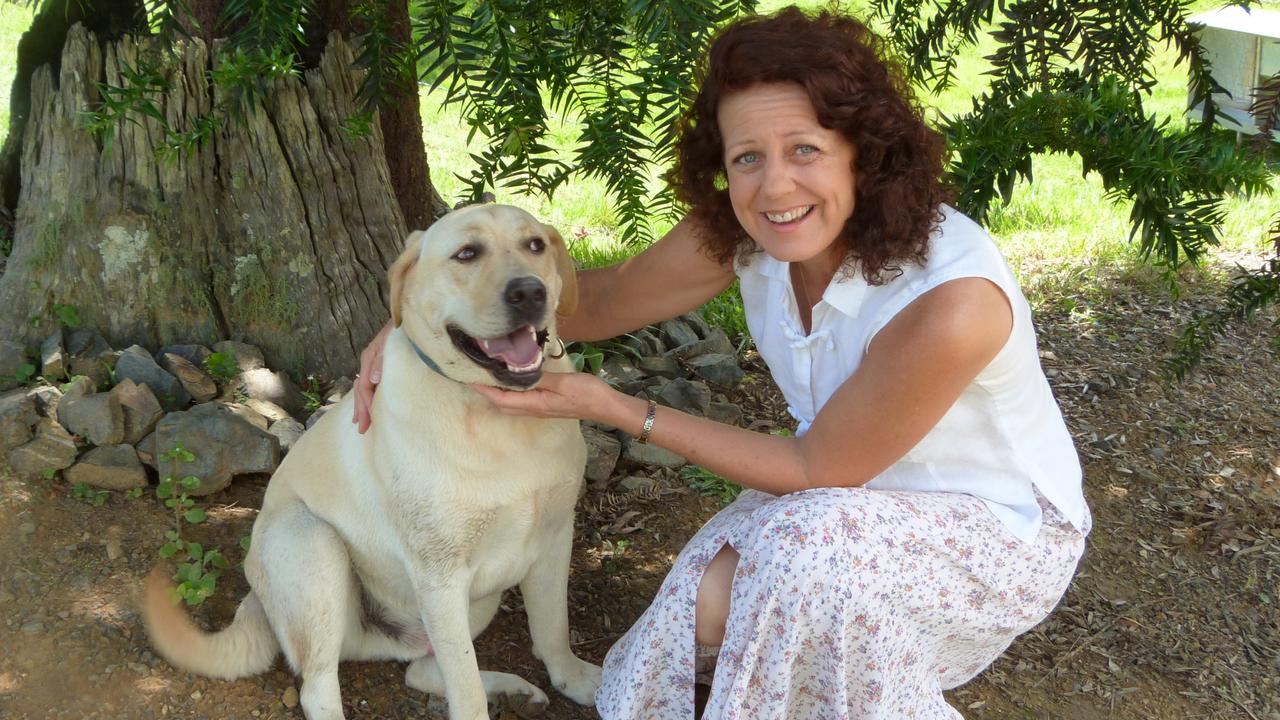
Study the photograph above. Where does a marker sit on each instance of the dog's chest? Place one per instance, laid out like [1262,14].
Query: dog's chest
[493,526]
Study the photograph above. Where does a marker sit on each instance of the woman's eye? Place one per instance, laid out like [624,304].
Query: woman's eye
[467,254]
[806,150]
[746,159]
[536,245]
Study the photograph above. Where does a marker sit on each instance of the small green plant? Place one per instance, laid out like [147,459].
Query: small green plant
[48,473]
[197,578]
[310,388]
[612,553]
[183,507]
[586,357]
[133,493]
[68,315]
[222,365]
[93,496]
[25,373]
[71,380]
[709,484]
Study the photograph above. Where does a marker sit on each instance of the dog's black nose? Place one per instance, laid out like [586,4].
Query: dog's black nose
[527,296]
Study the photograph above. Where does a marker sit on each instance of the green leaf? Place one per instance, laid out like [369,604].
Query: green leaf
[195,515]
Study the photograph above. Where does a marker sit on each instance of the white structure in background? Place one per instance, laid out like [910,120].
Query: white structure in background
[1244,49]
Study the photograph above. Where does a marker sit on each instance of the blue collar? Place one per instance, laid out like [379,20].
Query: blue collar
[425,359]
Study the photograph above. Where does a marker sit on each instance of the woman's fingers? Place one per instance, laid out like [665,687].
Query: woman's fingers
[368,378]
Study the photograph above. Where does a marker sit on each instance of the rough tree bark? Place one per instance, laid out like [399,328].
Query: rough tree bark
[276,232]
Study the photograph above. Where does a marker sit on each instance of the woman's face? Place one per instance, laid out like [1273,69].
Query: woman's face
[791,181]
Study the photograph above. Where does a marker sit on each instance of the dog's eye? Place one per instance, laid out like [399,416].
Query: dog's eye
[535,244]
[467,253]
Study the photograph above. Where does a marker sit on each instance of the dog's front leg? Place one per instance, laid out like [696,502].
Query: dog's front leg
[546,600]
[444,614]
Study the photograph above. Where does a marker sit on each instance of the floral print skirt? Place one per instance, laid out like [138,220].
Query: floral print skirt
[847,603]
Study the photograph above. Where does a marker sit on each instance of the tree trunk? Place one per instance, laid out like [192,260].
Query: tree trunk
[276,232]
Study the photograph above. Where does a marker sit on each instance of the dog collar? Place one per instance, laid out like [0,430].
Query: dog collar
[425,358]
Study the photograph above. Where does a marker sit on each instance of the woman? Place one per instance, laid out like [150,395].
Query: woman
[929,507]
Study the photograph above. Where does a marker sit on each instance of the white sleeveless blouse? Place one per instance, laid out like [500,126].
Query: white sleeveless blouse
[1002,440]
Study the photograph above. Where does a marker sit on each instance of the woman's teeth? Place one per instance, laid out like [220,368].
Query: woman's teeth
[788,216]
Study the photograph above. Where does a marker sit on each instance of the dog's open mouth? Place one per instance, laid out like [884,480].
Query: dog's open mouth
[513,359]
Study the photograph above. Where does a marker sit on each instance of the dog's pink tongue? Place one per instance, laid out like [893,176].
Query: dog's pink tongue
[518,349]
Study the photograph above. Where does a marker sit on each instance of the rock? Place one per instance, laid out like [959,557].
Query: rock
[141,410]
[46,397]
[602,454]
[52,448]
[695,321]
[715,343]
[717,368]
[87,344]
[339,390]
[199,385]
[224,445]
[17,418]
[90,355]
[618,371]
[146,448]
[96,417]
[644,343]
[688,396]
[287,431]
[637,483]
[53,359]
[12,357]
[254,417]
[136,364]
[194,354]
[677,333]
[267,409]
[724,412]
[248,357]
[647,454]
[111,467]
[290,697]
[659,366]
[276,387]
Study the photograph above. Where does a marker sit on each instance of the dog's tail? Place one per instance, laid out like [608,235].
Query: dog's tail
[245,647]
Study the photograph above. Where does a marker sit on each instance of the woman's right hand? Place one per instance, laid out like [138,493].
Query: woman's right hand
[368,378]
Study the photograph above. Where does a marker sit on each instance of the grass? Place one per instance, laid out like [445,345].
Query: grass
[1060,223]
[14,20]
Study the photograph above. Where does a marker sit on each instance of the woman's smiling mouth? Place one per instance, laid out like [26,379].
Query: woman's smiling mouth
[789,216]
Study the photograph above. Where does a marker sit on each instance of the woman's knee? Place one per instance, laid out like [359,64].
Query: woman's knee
[817,521]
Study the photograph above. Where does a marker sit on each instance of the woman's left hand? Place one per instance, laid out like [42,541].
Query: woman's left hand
[574,395]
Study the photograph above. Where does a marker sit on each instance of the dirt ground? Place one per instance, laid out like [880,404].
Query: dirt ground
[1175,612]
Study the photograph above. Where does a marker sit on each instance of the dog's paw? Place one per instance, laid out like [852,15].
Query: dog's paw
[522,704]
[577,679]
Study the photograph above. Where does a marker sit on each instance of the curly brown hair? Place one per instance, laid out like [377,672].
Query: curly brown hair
[856,90]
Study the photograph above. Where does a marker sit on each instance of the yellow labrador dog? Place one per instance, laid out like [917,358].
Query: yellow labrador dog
[398,544]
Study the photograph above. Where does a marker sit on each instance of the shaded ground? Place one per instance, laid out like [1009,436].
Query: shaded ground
[1174,613]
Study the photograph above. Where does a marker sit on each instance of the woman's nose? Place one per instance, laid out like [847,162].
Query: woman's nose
[777,179]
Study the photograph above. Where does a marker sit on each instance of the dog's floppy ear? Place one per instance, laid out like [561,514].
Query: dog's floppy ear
[400,268]
[568,273]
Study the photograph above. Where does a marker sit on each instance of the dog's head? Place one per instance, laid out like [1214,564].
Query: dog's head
[478,292]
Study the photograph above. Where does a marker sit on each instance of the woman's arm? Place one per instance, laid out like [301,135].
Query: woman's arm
[914,370]
[671,277]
